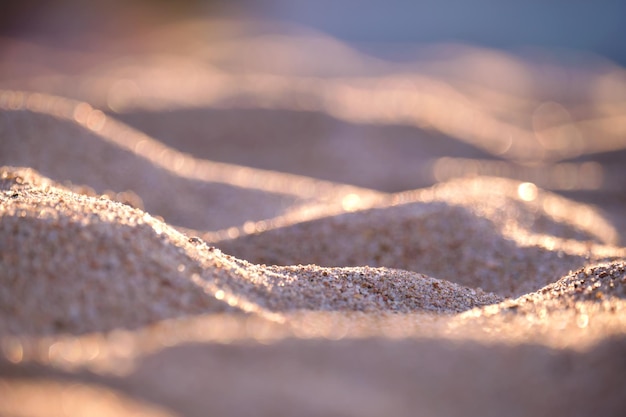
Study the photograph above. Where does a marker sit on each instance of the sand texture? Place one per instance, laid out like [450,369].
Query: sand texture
[187,229]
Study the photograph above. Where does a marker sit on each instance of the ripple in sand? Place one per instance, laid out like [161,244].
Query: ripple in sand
[92,264]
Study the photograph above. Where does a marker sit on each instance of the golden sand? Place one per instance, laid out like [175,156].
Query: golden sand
[169,268]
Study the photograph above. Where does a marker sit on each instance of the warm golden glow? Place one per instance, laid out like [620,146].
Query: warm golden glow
[12,350]
[113,311]
[555,131]
[36,397]
[527,191]
[351,202]
[560,176]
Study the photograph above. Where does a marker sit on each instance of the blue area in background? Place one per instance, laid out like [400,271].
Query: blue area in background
[583,25]
[594,26]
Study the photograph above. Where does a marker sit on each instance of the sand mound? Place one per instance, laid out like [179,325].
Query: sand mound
[603,285]
[478,233]
[123,160]
[142,271]
[76,263]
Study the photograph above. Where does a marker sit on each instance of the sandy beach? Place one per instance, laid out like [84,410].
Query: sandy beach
[189,230]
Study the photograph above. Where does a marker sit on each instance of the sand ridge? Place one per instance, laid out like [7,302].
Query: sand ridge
[219,234]
[164,273]
[91,283]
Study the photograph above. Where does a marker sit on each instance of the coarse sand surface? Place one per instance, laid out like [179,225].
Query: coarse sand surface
[190,231]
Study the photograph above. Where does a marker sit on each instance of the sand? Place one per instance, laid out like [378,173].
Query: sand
[267,240]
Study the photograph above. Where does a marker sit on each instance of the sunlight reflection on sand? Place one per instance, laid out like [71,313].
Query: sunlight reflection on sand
[513,107]
[481,118]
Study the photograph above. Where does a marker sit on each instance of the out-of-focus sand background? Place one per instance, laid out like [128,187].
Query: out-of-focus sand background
[386,95]
[308,131]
